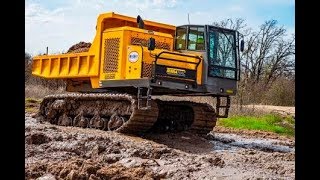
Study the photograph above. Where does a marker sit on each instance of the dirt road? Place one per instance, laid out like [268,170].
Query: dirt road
[286,110]
[53,152]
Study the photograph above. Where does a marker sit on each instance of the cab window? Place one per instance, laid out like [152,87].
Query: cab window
[181,38]
[196,38]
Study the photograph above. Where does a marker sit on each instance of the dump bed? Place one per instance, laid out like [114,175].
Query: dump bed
[73,65]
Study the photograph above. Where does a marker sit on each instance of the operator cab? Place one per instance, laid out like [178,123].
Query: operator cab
[218,46]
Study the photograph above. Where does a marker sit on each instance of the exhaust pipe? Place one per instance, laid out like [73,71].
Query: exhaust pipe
[140,22]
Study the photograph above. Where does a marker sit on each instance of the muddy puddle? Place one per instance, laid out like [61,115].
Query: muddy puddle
[233,142]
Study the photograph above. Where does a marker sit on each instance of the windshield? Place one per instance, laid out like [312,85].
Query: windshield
[190,38]
[222,54]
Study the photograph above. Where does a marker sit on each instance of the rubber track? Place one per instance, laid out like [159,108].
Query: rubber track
[140,121]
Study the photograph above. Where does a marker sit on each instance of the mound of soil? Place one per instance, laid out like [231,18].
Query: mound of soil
[79,47]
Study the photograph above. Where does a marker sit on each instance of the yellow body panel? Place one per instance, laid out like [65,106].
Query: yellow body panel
[111,53]
[116,44]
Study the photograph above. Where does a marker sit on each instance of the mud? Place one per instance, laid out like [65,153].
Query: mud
[55,152]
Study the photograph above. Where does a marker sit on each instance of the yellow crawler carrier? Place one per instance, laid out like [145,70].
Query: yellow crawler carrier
[130,60]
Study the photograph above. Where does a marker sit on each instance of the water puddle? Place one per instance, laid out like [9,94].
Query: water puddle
[233,142]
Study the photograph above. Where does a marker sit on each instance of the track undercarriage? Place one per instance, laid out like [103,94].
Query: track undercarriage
[120,113]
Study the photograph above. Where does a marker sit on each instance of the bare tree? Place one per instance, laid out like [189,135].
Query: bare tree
[235,24]
[268,55]
[281,63]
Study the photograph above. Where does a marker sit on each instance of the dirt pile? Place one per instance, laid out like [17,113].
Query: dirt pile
[79,47]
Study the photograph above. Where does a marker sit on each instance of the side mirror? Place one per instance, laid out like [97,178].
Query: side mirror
[241,45]
[151,44]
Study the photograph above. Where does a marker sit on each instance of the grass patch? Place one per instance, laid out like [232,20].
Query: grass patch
[268,122]
[31,109]
[32,105]
[32,100]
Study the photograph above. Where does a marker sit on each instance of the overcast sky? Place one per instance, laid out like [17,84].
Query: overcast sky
[59,24]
